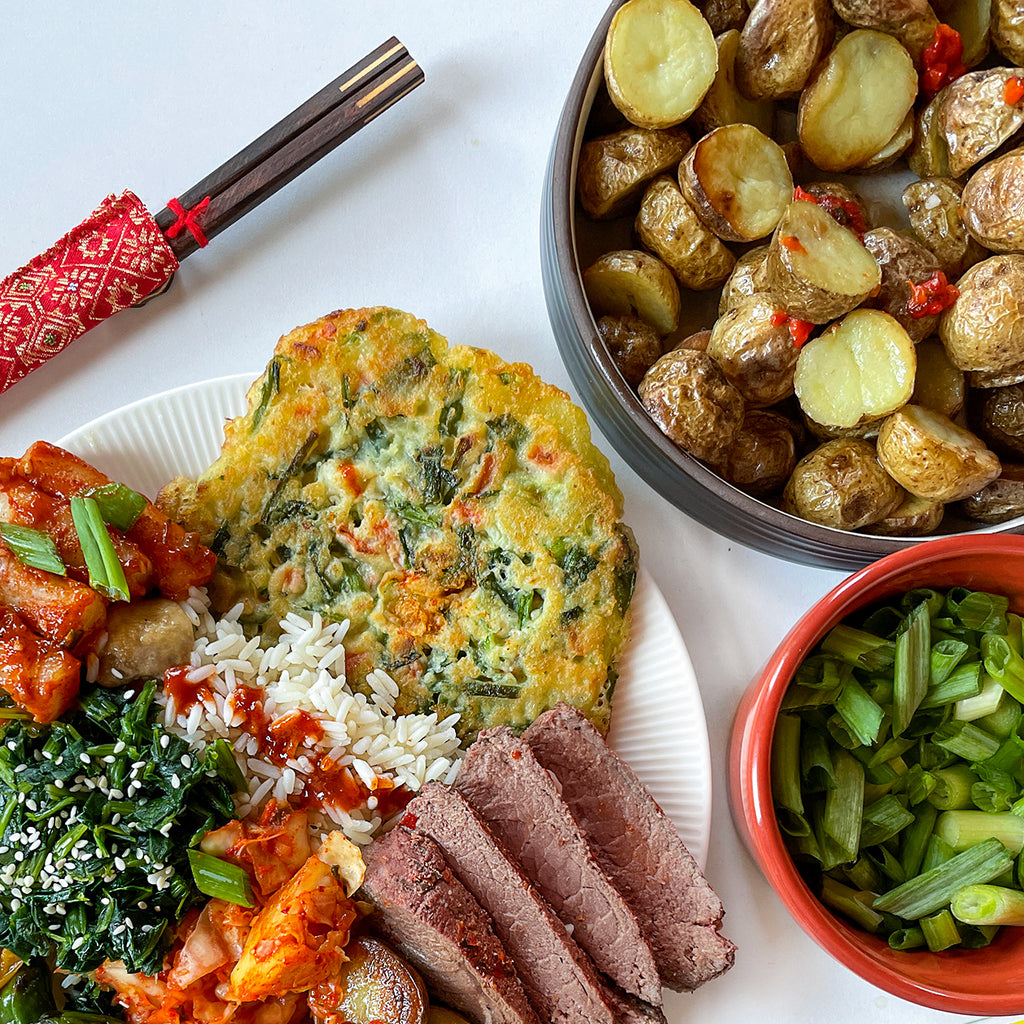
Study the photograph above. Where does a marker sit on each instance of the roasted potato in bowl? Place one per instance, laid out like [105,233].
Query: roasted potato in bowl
[999,501]
[904,264]
[762,456]
[633,283]
[992,205]
[933,209]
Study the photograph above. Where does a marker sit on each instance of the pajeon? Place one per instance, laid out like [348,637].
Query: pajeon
[449,504]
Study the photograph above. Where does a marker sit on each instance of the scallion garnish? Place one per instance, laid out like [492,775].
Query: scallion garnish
[119,505]
[106,574]
[220,879]
[32,548]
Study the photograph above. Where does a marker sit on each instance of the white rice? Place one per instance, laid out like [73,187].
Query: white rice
[304,670]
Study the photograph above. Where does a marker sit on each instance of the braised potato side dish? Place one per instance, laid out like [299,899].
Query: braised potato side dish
[863,364]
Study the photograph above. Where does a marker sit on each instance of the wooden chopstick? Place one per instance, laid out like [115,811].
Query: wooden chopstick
[296,142]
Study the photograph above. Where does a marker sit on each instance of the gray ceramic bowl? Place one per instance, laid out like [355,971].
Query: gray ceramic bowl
[568,241]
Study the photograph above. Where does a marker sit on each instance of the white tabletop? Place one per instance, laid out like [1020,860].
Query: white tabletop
[433,208]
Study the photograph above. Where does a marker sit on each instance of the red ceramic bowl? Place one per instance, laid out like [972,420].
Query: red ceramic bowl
[986,981]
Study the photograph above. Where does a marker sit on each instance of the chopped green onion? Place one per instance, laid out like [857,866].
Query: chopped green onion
[786,764]
[859,648]
[962,682]
[933,890]
[988,905]
[855,905]
[937,852]
[862,715]
[106,574]
[844,806]
[912,667]
[1004,663]
[915,839]
[952,787]
[965,829]
[940,931]
[1004,719]
[966,740]
[221,879]
[119,505]
[32,548]
[985,702]
[221,758]
[906,938]
[882,820]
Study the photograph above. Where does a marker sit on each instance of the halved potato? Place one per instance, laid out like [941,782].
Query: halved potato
[749,276]
[912,517]
[628,282]
[669,226]
[903,262]
[982,379]
[841,484]
[984,329]
[974,119]
[1008,30]
[755,350]
[738,181]
[614,169]
[817,269]
[912,22]
[928,155]
[843,204]
[938,384]
[933,206]
[633,344]
[894,148]
[860,369]
[932,457]
[724,103]
[780,44]
[992,206]
[856,101]
[998,501]
[660,59]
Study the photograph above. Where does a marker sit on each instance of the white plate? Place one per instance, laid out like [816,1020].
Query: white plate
[658,724]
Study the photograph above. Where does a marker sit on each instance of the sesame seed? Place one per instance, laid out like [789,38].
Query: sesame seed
[120,747]
[84,758]
[20,767]
[15,905]
[186,761]
[110,759]
[59,783]
[175,781]
[32,805]
[119,863]
[165,741]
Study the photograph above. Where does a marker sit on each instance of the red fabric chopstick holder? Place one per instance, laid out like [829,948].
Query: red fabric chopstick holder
[112,260]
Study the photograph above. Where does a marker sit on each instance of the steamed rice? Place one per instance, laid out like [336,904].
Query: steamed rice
[304,670]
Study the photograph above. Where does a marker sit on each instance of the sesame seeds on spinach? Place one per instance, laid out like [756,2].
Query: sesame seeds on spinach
[97,814]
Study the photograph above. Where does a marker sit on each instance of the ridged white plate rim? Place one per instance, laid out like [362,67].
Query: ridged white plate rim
[658,724]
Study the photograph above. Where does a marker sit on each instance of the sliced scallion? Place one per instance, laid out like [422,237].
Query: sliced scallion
[912,667]
[970,828]
[988,905]
[940,931]
[32,548]
[221,879]
[119,505]
[106,574]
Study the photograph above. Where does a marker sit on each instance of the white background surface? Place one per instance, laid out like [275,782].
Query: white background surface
[433,208]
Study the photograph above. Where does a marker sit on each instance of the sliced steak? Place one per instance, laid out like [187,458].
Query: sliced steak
[435,922]
[638,847]
[520,801]
[561,982]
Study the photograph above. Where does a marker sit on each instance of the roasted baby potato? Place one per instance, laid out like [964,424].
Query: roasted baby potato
[858,370]
[933,206]
[992,206]
[693,402]
[633,344]
[912,517]
[981,379]
[856,100]
[779,46]
[614,169]
[912,22]
[974,119]
[724,103]
[928,156]
[749,276]
[660,59]
[971,18]
[761,458]
[725,15]
[738,181]
[669,226]
[984,329]
[698,341]
[932,457]
[1007,27]
[817,269]
[998,501]
[938,384]
[375,984]
[628,282]
[902,261]
[841,484]
[844,205]
[755,350]
[894,148]
[999,419]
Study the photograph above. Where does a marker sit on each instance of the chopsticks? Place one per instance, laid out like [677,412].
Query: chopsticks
[295,143]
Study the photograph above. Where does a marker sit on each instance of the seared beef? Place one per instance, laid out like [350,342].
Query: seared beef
[638,847]
[561,982]
[433,920]
[520,801]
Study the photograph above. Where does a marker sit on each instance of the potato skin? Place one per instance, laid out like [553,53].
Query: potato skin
[901,260]
[633,344]
[998,501]
[999,419]
[693,403]
[669,226]
[641,283]
[930,456]
[933,207]
[724,15]
[1007,30]
[912,22]
[757,355]
[748,277]
[938,384]
[992,206]
[763,455]
[614,169]
[780,44]
[912,517]
[984,329]
[841,484]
